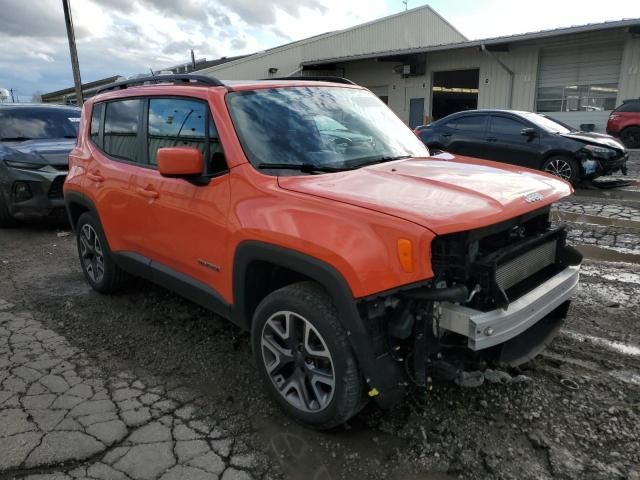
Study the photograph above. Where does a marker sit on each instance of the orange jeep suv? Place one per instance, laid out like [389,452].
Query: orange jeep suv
[307,213]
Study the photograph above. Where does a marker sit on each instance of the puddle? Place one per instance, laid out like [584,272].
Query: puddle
[624,348]
[586,219]
[627,194]
[305,454]
[627,376]
[610,274]
[612,254]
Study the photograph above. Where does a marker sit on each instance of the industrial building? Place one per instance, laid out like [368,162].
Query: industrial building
[424,68]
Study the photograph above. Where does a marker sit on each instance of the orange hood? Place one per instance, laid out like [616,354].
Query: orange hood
[444,193]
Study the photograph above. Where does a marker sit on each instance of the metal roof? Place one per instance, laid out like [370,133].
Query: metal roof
[590,27]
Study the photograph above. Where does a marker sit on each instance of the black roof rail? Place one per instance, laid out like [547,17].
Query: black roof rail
[315,79]
[181,79]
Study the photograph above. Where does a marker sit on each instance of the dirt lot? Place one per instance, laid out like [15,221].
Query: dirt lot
[576,415]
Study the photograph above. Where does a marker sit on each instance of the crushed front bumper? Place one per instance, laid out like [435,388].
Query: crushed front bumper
[488,329]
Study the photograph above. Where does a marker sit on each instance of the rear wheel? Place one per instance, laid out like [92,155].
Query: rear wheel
[630,136]
[563,167]
[96,260]
[6,219]
[304,358]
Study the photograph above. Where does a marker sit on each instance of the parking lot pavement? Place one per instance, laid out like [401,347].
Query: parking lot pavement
[578,416]
[61,415]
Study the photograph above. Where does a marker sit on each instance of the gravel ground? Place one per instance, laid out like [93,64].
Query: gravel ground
[577,415]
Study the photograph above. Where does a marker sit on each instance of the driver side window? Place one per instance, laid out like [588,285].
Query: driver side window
[182,123]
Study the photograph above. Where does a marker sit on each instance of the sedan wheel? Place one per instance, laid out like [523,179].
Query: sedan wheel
[562,167]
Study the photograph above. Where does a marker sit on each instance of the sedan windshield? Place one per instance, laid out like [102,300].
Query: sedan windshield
[547,123]
[319,129]
[37,123]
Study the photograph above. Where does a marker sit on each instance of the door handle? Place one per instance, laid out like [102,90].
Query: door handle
[95,177]
[147,192]
[492,139]
[445,134]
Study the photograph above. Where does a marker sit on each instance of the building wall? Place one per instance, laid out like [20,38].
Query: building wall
[418,27]
[630,71]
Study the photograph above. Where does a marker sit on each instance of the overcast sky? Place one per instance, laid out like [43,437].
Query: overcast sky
[131,36]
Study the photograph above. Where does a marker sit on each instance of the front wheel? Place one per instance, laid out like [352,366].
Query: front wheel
[563,167]
[304,358]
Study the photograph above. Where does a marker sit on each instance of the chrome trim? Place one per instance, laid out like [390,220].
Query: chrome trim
[487,329]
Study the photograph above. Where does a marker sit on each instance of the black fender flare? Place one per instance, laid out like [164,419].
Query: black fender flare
[73,197]
[380,371]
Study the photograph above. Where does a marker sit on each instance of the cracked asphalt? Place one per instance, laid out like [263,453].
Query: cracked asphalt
[146,385]
[59,410]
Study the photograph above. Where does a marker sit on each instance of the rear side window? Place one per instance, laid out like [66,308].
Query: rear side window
[96,119]
[121,126]
[632,106]
[506,126]
[182,123]
[471,123]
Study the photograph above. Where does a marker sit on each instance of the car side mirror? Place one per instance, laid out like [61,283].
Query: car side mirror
[529,132]
[180,162]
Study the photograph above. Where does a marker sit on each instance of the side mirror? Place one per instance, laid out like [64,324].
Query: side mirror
[180,162]
[529,132]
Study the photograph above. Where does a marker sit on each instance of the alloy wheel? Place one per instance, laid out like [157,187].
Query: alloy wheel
[298,361]
[91,253]
[560,168]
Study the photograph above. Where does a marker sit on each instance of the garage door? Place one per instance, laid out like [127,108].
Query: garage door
[583,65]
[579,77]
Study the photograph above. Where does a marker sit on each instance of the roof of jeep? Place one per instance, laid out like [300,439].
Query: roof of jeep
[178,81]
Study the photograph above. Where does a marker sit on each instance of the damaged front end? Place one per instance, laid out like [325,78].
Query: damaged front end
[498,297]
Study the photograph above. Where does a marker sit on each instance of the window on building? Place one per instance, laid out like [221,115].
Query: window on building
[471,123]
[577,98]
[506,126]
[96,119]
[181,123]
[121,129]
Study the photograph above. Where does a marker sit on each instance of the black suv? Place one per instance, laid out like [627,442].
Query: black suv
[529,140]
[35,141]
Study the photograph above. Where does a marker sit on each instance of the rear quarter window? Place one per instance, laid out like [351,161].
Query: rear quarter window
[96,120]
[121,129]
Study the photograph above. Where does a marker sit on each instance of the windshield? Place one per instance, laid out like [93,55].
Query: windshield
[330,127]
[547,123]
[26,123]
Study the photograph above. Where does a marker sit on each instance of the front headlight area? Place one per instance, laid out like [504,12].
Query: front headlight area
[597,152]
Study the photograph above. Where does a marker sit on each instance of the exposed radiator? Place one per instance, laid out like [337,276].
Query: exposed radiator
[514,271]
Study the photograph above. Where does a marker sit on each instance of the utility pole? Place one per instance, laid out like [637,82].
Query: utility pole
[73,52]
[406,4]
[193,60]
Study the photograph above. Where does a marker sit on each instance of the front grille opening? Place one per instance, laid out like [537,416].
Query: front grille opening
[524,266]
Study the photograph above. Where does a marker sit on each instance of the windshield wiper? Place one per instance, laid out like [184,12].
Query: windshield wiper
[15,139]
[302,167]
[383,159]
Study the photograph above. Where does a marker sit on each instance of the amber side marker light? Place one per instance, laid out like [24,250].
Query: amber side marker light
[405,254]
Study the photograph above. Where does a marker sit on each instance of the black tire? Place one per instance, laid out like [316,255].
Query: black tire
[309,302]
[6,219]
[563,167]
[112,277]
[630,136]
